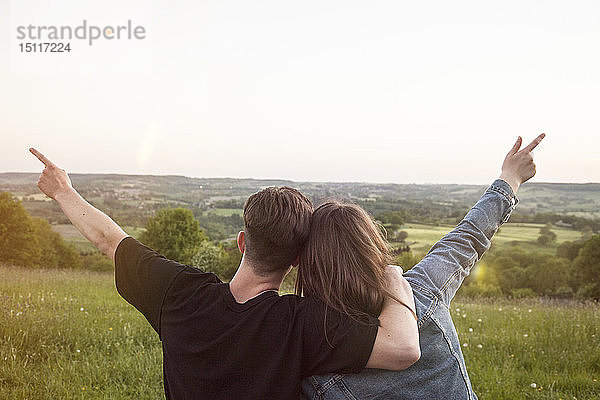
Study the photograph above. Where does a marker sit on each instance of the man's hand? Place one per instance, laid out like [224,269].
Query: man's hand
[518,166]
[96,226]
[53,180]
[400,288]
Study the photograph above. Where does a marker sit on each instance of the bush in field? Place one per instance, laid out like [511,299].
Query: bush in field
[97,261]
[175,233]
[522,293]
[31,242]
[480,290]
[587,268]
[208,257]
[222,260]
[407,260]
[546,236]
[53,252]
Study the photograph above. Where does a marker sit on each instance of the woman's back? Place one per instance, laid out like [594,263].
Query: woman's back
[440,373]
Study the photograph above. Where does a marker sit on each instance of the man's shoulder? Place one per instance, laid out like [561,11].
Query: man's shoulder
[191,279]
[301,301]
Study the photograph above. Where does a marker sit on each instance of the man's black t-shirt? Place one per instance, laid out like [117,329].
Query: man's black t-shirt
[216,348]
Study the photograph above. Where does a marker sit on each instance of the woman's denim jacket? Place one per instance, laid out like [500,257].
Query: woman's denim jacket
[440,373]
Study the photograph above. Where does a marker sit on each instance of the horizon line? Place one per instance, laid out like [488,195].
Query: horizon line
[298,181]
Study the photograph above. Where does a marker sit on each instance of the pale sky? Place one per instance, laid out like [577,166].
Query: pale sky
[378,91]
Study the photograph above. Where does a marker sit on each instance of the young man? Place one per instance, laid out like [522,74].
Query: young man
[241,340]
[441,372]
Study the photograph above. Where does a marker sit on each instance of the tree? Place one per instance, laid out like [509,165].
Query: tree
[402,236]
[175,233]
[392,218]
[53,251]
[546,236]
[18,239]
[31,242]
[587,267]
[547,274]
[569,250]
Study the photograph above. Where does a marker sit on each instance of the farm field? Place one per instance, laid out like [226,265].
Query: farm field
[526,234]
[68,334]
[71,235]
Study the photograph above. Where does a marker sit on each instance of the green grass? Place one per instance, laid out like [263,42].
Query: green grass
[42,327]
[68,334]
[556,347]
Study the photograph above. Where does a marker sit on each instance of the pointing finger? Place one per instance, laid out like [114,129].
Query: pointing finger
[535,142]
[517,145]
[41,157]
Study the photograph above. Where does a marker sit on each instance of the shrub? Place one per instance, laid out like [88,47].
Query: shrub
[221,260]
[481,290]
[591,290]
[208,257]
[563,292]
[407,260]
[522,293]
[97,261]
[53,252]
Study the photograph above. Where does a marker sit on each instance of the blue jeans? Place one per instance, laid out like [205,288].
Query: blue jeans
[440,373]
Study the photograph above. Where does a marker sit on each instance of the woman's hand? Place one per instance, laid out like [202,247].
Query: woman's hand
[518,166]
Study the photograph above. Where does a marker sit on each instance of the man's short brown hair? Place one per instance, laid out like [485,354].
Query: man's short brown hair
[276,224]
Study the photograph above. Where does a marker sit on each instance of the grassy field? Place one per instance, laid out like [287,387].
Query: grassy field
[68,335]
[525,234]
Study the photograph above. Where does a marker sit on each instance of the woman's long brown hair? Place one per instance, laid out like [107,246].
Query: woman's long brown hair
[344,261]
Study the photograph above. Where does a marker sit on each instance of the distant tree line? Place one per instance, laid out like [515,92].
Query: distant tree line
[574,271]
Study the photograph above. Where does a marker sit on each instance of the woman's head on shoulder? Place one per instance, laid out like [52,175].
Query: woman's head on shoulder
[345,259]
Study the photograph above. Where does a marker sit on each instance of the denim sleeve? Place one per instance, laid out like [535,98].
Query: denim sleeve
[450,260]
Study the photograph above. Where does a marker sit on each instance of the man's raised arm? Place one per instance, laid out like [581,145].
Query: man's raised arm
[96,226]
[449,261]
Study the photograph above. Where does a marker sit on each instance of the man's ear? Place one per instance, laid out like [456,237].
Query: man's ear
[241,241]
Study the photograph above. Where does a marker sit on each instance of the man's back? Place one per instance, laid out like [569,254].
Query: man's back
[215,347]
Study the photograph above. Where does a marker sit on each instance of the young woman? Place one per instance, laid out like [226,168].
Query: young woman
[344,265]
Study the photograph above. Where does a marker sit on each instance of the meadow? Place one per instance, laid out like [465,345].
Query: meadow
[68,334]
